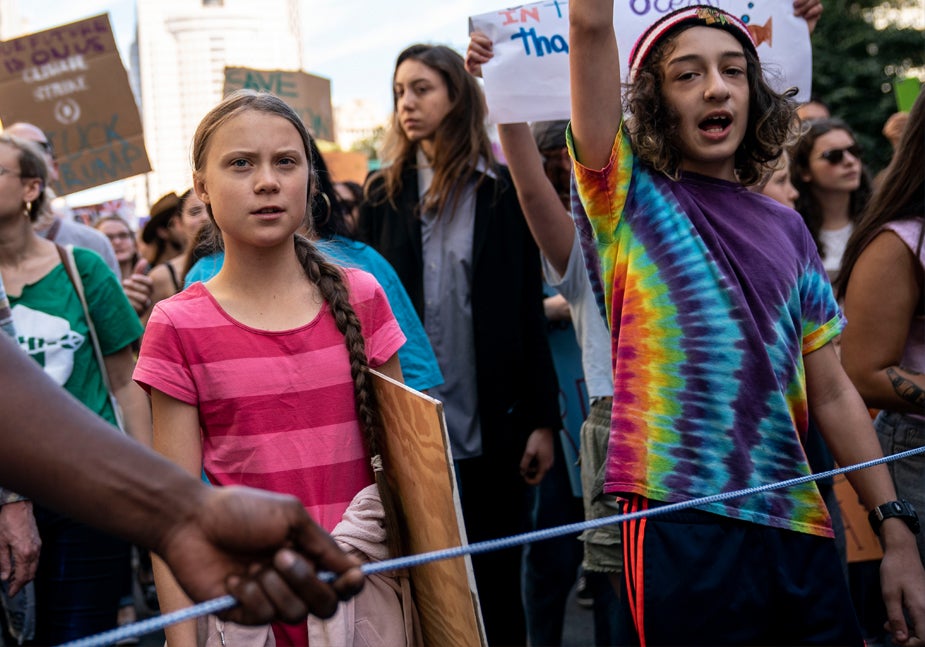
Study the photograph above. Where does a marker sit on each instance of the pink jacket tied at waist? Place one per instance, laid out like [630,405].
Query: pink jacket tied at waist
[384,612]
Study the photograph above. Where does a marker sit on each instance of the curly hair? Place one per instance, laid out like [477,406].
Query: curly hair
[654,126]
[459,143]
[808,204]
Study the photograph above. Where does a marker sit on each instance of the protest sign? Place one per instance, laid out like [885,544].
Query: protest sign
[309,95]
[70,82]
[527,80]
[344,166]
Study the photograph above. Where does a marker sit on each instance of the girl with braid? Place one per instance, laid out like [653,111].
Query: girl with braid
[259,376]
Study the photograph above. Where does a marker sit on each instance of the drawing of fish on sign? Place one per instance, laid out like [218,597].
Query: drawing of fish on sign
[762,33]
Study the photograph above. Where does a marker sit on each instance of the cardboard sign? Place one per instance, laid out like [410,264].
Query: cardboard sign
[70,82]
[309,95]
[347,166]
[528,79]
[421,470]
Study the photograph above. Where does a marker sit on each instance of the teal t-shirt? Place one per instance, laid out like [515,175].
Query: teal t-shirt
[51,327]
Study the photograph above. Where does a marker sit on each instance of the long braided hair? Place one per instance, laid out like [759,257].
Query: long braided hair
[331,284]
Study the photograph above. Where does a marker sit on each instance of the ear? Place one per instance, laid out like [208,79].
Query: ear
[199,186]
[33,188]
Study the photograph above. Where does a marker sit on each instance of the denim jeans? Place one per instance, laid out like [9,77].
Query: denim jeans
[899,433]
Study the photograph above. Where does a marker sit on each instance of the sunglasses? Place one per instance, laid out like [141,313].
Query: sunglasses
[835,155]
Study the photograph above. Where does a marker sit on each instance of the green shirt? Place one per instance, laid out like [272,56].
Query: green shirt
[51,327]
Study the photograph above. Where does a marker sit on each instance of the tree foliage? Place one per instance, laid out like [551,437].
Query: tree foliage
[855,65]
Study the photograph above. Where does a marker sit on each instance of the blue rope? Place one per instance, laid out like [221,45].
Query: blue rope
[226,602]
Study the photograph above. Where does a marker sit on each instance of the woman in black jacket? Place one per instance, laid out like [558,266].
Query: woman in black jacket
[446,216]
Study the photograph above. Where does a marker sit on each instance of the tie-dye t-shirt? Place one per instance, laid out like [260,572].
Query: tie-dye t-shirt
[713,294]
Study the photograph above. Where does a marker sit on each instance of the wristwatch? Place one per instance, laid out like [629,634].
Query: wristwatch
[901,509]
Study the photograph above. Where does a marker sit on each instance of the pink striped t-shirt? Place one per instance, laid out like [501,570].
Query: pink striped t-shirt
[276,408]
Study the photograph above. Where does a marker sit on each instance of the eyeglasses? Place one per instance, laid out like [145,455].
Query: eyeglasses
[835,155]
[6,171]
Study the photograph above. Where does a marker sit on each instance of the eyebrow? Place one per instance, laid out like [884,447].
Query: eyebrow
[687,58]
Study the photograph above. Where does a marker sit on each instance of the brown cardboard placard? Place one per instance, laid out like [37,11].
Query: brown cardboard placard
[347,165]
[309,95]
[70,82]
[420,469]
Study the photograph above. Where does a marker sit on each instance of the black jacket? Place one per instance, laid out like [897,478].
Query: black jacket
[517,386]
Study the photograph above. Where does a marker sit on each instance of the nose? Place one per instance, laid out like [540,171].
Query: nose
[716,89]
[405,101]
[266,180]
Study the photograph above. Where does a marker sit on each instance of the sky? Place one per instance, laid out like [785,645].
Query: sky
[354,43]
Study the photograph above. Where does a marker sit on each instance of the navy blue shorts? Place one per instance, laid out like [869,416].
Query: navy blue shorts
[695,578]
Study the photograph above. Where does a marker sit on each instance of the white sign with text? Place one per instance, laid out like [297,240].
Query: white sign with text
[527,80]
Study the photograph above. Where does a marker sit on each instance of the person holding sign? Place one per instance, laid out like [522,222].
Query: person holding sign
[259,376]
[446,217]
[722,319]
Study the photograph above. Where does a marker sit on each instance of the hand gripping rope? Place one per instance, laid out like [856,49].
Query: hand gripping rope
[226,602]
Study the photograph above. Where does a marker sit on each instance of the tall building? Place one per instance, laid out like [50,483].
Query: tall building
[183,47]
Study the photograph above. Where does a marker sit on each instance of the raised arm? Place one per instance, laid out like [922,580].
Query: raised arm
[549,222]
[594,72]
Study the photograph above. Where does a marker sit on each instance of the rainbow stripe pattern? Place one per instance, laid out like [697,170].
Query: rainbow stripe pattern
[713,295]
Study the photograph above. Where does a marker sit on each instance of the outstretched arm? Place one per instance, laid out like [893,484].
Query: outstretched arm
[594,72]
[262,548]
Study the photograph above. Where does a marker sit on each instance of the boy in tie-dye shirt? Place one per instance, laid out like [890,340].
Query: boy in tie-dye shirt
[721,317]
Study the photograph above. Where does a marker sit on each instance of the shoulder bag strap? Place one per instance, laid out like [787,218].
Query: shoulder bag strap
[70,266]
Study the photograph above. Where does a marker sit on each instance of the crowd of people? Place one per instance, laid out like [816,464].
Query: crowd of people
[693,221]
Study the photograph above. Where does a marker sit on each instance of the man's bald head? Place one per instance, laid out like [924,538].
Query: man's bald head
[32,133]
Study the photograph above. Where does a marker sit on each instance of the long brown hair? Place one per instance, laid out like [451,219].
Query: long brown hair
[333,288]
[899,195]
[807,204]
[459,143]
[653,125]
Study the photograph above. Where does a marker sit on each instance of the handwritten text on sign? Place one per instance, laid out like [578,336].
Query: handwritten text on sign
[527,80]
[308,95]
[69,81]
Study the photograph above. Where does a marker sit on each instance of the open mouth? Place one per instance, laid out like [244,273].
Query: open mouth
[268,210]
[715,123]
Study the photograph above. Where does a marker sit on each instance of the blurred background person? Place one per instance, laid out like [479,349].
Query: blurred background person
[56,222]
[883,286]
[161,236]
[81,571]
[167,277]
[827,171]
[351,195]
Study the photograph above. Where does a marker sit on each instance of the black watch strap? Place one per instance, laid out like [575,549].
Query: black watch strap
[901,509]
